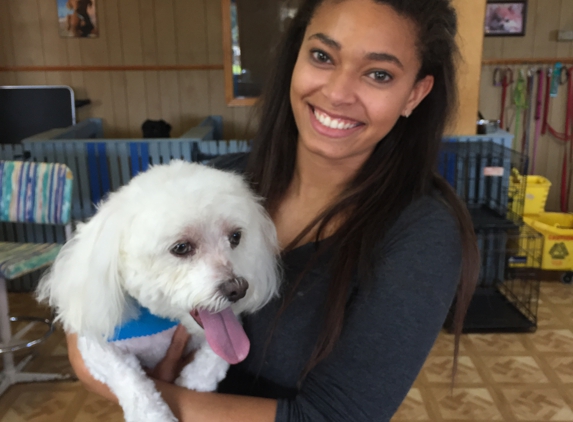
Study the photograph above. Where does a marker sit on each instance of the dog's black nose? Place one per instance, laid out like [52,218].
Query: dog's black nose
[234,289]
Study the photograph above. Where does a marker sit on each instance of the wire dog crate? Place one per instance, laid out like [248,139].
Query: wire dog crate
[480,172]
[507,294]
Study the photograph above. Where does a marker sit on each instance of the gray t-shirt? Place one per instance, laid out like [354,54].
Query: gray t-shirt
[388,331]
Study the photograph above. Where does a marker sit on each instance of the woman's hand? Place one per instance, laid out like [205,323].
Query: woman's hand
[83,373]
[169,368]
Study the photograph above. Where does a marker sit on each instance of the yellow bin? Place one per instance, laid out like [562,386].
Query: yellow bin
[557,231]
[536,192]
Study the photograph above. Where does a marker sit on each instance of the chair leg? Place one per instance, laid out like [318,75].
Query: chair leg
[13,374]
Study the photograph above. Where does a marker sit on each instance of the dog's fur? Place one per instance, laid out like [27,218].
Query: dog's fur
[122,258]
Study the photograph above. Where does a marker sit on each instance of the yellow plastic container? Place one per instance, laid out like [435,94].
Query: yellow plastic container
[557,231]
[536,192]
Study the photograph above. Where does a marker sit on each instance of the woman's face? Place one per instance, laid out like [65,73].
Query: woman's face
[354,76]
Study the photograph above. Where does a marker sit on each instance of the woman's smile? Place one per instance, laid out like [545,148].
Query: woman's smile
[333,125]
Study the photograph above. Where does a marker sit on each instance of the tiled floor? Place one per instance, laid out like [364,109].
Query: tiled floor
[501,377]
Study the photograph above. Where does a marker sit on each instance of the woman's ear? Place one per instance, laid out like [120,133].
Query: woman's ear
[419,92]
[83,284]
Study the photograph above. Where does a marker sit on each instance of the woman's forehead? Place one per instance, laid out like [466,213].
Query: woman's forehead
[365,26]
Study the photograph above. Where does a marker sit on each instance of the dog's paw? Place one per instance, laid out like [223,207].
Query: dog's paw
[204,373]
[197,384]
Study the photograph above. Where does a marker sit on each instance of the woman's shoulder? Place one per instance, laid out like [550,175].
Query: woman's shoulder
[235,162]
[430,206]
[428,219]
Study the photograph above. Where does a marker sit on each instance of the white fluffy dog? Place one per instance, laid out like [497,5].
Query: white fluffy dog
[181,243]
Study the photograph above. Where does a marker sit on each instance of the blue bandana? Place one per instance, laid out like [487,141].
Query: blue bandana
[146,324]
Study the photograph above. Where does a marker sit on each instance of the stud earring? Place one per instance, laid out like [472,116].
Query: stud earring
[407,113]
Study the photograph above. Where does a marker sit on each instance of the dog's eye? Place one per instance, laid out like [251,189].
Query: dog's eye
[235,239]
[183,249]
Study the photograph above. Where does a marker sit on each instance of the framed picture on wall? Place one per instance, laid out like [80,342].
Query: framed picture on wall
[505,18]
[77,18]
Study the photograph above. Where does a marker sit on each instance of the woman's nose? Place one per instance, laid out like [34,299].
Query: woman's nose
[340,88]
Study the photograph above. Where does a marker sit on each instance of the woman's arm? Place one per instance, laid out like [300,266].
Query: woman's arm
[187,405]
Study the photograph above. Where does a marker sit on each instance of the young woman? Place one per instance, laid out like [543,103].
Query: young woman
[375,244]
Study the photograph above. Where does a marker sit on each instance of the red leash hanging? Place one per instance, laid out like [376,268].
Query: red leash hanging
[567,136]
[546,108]
[503,78]
[538,121]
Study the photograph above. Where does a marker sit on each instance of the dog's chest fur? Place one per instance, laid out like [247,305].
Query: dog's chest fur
[149,350]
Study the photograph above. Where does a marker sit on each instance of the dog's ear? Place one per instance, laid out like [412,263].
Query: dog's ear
[83,284]
[260,257]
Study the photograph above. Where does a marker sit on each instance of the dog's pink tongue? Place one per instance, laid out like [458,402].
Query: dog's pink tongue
[225,335]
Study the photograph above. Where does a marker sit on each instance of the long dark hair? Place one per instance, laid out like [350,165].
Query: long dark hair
[400,169]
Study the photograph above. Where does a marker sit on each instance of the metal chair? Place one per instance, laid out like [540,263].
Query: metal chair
[39,194]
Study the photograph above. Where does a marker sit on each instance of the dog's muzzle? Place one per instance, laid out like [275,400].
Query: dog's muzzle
[234,289]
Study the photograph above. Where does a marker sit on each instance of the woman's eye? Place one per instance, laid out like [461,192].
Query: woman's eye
[320,56]
[235,239]
[381,76]
[182,249]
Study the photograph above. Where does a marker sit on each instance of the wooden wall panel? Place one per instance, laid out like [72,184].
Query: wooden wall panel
[544,41]
[170,100]
[166,37]
[55,49]
[6,43]
[191,31]
[137,95]
[131,32]
[8,78]
[31,78]
[194,97]
[153,95]
[98,87]
[214,32]
[26,33]
[111,29]
[59,78]
[120,104]
[545,18]
[217,103]
[470,39]
[148,32]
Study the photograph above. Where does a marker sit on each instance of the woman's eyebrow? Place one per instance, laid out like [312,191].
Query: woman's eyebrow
[326,40]
[377,57]
[385,57]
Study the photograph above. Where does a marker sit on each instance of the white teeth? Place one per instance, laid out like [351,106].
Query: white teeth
[327,121]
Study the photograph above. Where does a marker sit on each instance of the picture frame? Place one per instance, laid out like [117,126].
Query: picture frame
[505,18]
[77,18]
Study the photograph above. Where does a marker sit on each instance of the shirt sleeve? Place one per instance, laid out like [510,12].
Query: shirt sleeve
[390,329]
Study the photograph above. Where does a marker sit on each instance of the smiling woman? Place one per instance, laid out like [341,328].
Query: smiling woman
[355,74]
[375,245]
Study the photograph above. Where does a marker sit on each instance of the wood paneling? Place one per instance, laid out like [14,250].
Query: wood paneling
[157,59]
[471,16]
[539,47]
